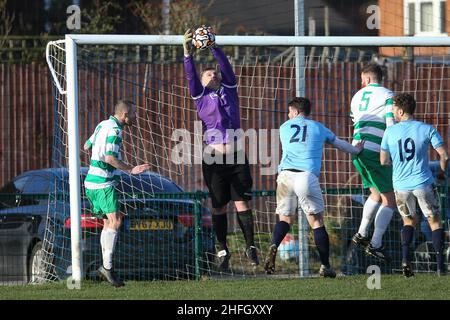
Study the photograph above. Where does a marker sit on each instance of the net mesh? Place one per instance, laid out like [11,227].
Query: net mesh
[159,238]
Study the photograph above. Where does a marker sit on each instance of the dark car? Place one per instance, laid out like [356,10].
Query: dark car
[156,241]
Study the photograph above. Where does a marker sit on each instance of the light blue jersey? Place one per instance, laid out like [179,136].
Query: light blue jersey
[407,142]
[302,141]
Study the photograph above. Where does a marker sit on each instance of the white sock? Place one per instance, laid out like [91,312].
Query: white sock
[382,219]
[109,242]
[369,211]
[102,240]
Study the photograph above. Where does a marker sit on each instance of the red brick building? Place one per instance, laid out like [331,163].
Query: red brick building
[420,18]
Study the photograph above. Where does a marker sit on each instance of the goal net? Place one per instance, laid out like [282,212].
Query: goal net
[167,230]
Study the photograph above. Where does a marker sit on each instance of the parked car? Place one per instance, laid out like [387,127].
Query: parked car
[156,240]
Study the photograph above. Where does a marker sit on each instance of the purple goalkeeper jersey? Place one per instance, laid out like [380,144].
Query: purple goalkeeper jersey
[218,109]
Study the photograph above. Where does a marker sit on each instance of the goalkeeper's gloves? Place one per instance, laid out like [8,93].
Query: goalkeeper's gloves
[187,43]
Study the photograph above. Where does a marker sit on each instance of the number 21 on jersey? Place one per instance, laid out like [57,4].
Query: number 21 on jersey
[298,129]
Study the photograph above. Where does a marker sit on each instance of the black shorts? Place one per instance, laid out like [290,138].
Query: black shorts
[227,182]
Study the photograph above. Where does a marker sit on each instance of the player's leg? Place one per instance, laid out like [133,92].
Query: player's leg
[406,205]
[382,219]
[372,204]
[108,202]
[286,210]
[96,210]
[437,235]
[307,189]
[380,178]
[219,190]
[428,199]
[370,209]
[322,242]
[220,226]
[241,193]
[111,231]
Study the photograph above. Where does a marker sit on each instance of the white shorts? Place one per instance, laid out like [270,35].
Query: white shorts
[427,197]
[298,189]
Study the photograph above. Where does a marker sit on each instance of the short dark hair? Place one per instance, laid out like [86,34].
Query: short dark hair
[375,70]
[122,105]
[303,105]
[406,102]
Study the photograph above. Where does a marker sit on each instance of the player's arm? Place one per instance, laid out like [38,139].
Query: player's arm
[385,158]
[438,144]
[195,85]
[113,142]
[347,147]
[119,164]
[228,76]
[88,144]
[443,161]
[342,145]
[385,155]
[389,114]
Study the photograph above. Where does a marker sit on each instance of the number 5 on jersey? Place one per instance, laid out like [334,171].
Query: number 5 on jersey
[366,99]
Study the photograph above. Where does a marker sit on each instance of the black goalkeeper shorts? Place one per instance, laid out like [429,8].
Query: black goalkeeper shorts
[227,181]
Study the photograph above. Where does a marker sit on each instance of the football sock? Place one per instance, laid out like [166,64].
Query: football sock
[279,232]
[369,211]
[220,225]
[245,220]
[437,237]
[102,240]
[382,219]
[323,245]
[407,237]
[109,242]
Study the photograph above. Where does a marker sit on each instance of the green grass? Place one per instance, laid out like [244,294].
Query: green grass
[353,287]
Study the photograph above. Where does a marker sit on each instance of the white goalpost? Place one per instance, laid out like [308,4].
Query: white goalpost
[67,84]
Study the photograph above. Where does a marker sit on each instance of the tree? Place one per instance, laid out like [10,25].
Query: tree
[183,14]
[101,17]
[6,23]
[56,17]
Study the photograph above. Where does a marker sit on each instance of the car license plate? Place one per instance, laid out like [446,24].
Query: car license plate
[151,224]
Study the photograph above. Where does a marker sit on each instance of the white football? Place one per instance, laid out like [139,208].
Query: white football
[203,37]
[289,248]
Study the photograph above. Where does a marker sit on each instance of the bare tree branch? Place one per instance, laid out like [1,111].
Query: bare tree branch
[183,14]
[6,23]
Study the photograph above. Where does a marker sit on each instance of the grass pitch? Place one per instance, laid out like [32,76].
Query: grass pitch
[428,287]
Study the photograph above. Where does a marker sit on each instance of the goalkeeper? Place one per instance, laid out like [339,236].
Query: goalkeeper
[101,179]
[371,112]
[302,140]
[217,103]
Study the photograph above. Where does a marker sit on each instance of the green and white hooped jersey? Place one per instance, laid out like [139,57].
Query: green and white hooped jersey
[370,107]
[106,140]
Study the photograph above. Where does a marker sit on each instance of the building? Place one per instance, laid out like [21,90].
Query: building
[419,18]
